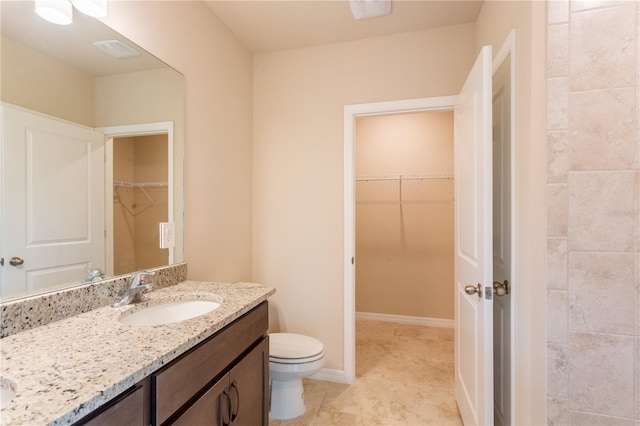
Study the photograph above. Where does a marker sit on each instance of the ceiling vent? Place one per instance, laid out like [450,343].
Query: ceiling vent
[116,48]
[364,9]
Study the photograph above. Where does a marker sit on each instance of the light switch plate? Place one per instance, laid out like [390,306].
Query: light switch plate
[167,234]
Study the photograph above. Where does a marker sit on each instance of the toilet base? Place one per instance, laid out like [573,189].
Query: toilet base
[287,399]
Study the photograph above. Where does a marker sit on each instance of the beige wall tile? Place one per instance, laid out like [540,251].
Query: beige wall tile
[579,5]
[557,210]
[588,419]
[636,212]
[602,48]
[558,50]
[557,103]
[599,211]
[557,156]
[557,412]
[557,11]
[603,130]
[557,371]
[557,264]
[602,294]
[599,374]
[637,376]
[557,316]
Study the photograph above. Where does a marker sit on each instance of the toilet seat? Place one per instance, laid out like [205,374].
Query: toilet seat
[290,348]
[296,360]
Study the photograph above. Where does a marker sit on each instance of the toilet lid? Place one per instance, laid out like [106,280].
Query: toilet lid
[293,346]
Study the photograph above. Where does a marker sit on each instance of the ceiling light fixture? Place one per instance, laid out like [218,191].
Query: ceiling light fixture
[55,11]
[61,11]
[365,9]
[95,8]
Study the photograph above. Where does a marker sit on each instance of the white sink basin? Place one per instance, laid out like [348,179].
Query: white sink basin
[7,391]
[169,312]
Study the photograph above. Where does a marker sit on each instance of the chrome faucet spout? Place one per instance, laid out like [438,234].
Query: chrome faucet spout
[135,287]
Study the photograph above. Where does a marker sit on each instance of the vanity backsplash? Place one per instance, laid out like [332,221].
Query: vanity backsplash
[24,314]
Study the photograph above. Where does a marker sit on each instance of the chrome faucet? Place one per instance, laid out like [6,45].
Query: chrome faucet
[135,287]
[94,275]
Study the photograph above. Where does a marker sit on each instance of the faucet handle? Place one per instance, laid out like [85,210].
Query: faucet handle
[143,274]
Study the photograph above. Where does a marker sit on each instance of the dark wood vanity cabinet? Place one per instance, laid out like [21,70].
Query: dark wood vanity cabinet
[222,381]
[235,399]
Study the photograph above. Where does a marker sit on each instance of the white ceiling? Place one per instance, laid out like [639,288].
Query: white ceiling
[261,25]
[270,25]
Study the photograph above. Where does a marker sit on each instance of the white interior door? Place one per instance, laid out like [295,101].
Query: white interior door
[52,201]
[473,245]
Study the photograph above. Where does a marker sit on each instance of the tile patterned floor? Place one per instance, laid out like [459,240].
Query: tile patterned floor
[404,376]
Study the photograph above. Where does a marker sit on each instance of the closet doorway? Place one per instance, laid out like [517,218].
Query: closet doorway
[404,218]
[139,174]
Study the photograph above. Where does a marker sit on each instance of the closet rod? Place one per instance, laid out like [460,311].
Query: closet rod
[405,177]
[139,185]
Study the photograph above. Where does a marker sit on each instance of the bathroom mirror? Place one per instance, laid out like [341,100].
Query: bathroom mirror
[58,73]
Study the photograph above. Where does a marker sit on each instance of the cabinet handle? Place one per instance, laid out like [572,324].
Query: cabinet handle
[234,412]
[226,414]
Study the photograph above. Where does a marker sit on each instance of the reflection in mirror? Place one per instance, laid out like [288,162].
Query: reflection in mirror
[63,213]
[140,196]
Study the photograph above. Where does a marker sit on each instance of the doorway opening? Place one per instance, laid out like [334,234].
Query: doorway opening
[353,112]
[404,218]
[139,184]
[140,193]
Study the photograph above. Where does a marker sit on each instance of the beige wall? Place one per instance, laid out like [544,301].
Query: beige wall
[496,20]
[124,231]
[217,127]
[405,247]
[593,231]
[299,99]
[64,92]
[151,159]
[137,212]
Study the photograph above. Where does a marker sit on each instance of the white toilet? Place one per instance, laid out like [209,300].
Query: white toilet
[292,357]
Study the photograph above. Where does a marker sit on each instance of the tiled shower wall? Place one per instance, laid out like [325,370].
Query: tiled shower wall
[593,236]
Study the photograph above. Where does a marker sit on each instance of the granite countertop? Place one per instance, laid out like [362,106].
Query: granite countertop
[67,369]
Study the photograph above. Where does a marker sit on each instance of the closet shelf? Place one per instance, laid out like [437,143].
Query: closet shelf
[404,177]
[404,189]
[139,185]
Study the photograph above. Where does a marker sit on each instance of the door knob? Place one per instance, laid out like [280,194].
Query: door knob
[500,289]
[16,261]
[474,289]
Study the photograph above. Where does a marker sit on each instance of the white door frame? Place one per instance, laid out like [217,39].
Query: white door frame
[351,112]
[146,129]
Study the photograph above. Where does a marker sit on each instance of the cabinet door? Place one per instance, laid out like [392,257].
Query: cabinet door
[210,408]
[249,388]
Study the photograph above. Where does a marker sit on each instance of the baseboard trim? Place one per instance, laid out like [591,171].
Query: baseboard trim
[330,375]
[405,319]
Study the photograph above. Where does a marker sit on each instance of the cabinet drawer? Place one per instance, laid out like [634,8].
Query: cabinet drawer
[126,410]
[177,383]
